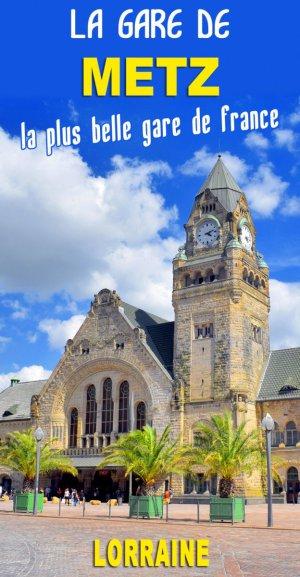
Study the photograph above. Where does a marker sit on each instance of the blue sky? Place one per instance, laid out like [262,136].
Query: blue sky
[112,215]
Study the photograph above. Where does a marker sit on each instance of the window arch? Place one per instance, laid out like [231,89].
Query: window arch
[140,415]
[73,427]
[292,474]
[210,275]
[91,411]
[245,274]
[107,407]
[123,407]
[291,434]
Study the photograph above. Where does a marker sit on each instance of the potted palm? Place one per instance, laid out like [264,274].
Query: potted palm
[18,453]
[227,451]
[151,458]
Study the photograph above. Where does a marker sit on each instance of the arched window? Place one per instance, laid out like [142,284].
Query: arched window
[210,276]
[73,428]
[245,274]
[140,415]
[276,436]
[292,474]
[123,407]
[291,434]
[187,280]
[107,408]
[91,411]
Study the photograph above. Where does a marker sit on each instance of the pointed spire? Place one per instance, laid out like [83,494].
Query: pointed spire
[220,177]
[222,184]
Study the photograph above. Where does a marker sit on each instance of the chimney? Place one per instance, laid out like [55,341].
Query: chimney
[14,382]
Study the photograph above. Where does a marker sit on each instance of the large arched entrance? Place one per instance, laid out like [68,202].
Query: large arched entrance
[6,484]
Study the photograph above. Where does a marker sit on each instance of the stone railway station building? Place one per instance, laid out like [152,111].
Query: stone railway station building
[126,367]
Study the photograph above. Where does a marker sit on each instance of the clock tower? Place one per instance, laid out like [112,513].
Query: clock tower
[221,304]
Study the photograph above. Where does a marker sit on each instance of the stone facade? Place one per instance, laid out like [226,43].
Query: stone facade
[221,347]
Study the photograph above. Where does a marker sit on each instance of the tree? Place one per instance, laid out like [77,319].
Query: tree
[227,451]
[18,452]
[152,458]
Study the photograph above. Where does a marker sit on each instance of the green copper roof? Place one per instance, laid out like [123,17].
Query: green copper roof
[223,186]
[282,377]
[234,243]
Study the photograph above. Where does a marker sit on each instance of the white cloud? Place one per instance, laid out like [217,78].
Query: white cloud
[256,141]
[19,311]
[292,206]
[285,138]
[58,331]
[294,117]
[203,161]
[31,373]
[263,188]
[64,226]
[285,314]
[32,338]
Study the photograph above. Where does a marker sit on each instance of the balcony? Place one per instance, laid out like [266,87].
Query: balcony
[82,451]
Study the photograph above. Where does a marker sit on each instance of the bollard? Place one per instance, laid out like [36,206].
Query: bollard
[167,511]
[83,506]
[59,507]
[138,508]
[109,508]
[198,512]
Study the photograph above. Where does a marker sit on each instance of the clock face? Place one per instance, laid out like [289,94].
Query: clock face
[246,237]
[207,233]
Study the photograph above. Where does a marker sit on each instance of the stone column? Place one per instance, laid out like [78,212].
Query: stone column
[116,414]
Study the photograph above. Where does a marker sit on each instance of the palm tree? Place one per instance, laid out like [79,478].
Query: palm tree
[152,458]
[227,450]
[18,452]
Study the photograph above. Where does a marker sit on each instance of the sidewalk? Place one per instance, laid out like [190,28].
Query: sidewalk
[286,516]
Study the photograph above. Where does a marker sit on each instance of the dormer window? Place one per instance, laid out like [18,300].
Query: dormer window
[206,208]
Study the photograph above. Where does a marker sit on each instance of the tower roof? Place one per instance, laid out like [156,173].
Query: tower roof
[223,185]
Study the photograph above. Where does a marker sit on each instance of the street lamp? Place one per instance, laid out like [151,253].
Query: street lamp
[268,425]
[39,435]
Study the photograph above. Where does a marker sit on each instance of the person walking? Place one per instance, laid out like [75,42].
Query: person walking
[67,496]
[74,497]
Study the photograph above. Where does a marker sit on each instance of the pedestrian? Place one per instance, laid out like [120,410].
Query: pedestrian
[67,496]
[48,493]
[1,491]
[74,497]
[167,496]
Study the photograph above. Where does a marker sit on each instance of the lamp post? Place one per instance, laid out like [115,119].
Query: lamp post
[268,425]
[39,435]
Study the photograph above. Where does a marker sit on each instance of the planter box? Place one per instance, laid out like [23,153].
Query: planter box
[231,509]
[146,506]
[23,502]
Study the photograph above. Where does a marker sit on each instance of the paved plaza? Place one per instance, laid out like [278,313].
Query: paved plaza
[52,546]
